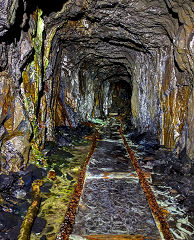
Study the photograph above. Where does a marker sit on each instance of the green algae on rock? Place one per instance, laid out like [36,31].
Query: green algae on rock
[56,201]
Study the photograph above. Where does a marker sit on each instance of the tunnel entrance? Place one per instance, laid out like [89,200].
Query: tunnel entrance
[112,98]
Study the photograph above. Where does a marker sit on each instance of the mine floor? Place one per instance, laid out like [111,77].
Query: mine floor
[97,191]
[113,204]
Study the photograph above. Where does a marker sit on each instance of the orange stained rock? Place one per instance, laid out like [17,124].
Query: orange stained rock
[174,107]
[117,237]
[91,138]
[61,115]
[88,137]
[51,175]
[165,212]
[106,175]
[35,15]
[133,175]
[147,174]
[150,158]
[83,206]
[36,186]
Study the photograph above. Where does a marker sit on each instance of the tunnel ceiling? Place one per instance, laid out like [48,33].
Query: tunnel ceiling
[120,29]
[138,24]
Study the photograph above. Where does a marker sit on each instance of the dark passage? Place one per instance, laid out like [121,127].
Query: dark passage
[121,98]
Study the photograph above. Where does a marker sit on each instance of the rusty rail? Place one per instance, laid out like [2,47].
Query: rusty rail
[69,219]
[156,210]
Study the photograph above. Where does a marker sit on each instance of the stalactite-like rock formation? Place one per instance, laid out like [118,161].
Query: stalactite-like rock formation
[60,65]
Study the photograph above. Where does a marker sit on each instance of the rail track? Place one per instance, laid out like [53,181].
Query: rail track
[102,176]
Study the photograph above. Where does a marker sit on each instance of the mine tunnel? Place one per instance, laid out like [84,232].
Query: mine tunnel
[96,119]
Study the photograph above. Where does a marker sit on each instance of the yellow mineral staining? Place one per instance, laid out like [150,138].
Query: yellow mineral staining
[1,200]
[21,182]
[9,125]
[48,43]
[6,100]
[190,145]
[135,102]
[182,52]
[18,113]
[174,97]
[31,87]
[80,26]
[79,3]
[174,107]
[51,175]
[70,100]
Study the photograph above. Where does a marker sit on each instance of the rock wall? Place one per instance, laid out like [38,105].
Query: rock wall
[80,93]
[15,127]
[160,99]
[183,40]
[145,96]
[190,127]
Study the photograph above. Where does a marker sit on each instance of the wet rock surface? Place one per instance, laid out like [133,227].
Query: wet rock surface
[174,171]
[110,206]
[39,225]
[15,198]
[6,182]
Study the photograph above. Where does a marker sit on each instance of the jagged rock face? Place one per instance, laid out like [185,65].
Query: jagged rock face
[68,63]
[15,127]
[8,14]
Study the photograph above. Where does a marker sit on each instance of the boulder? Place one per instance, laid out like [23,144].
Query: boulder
[15,150]
[6,182]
